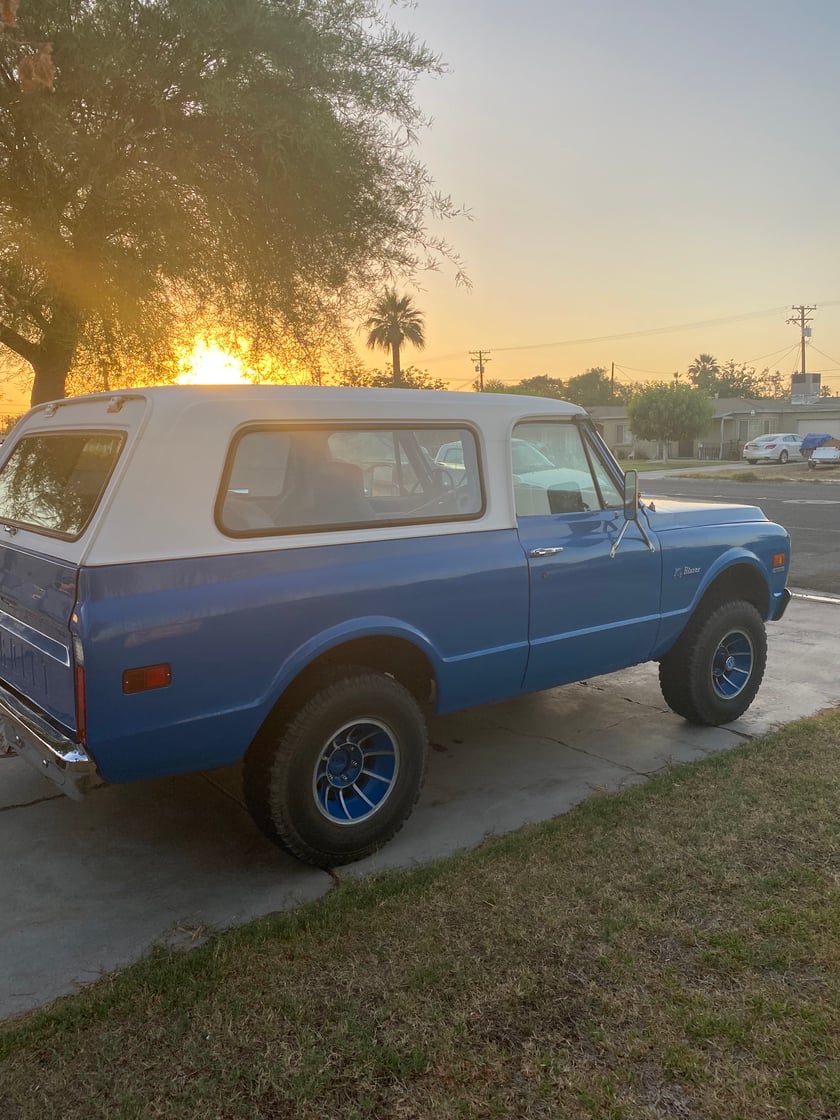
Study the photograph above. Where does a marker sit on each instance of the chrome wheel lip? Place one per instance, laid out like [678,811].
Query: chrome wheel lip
[359,763]
[732,664]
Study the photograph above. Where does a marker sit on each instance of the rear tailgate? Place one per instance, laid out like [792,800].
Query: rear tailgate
[37,596]
[54,474]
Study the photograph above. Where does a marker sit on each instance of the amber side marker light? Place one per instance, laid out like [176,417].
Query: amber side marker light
[778,559]
[146,678]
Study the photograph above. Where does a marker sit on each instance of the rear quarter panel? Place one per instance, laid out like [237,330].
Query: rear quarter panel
[237,629]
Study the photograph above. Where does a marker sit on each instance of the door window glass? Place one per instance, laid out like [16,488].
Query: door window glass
[552,472]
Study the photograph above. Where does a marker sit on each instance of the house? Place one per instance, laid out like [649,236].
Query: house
[735,421]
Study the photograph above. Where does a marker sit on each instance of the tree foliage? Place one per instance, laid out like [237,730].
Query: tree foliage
[593,387]
[240,163]
[392,321]
[665,412]
[412,378]
[735,379]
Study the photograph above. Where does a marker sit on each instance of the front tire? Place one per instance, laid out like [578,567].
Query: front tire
[752,462]
[712,674]
[340,778]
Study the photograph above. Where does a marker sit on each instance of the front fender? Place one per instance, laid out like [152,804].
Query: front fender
[681,597]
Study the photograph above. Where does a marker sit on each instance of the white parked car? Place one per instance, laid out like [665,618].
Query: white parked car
[776,448]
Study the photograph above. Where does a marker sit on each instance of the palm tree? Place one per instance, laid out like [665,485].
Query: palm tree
[704,372]
[394,320]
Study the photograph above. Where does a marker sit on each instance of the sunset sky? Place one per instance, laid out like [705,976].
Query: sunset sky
[630,166]
[633,166]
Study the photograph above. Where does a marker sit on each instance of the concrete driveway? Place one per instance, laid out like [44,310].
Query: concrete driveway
[88,887]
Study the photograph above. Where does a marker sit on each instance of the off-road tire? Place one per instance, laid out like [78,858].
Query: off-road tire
[278,776]
[686,671]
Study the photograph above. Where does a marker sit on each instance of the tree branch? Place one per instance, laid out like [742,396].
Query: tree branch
[22,346]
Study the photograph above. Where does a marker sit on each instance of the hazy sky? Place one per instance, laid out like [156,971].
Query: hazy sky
[633,164]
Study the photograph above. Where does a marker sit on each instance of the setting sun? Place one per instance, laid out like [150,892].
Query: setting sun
[209,364]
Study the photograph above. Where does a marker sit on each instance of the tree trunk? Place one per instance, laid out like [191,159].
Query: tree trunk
[395,359]
[55,356]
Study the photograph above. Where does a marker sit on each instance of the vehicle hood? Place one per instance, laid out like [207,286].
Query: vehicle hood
[670,513]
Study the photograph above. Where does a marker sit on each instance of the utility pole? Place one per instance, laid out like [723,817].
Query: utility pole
[479,358]
[612,380]
[801,320]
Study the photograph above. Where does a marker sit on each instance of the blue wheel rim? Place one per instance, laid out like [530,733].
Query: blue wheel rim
[356,771]
[732,664]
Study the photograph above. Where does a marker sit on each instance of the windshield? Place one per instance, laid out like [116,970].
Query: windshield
[526,458]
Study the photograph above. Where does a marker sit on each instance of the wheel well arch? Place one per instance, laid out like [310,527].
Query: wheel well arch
[739,581]
[384,653]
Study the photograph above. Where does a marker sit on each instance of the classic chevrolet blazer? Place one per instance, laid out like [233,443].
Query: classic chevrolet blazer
[300,576]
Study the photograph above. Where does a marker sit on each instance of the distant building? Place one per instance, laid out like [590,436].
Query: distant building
[735,422]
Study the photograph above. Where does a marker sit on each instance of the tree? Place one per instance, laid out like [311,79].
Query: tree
[237,162]
[669,412]
[412,378]
[703,373]
[394,320]
[540,386]
[732,379]
[594,387]
[493,385]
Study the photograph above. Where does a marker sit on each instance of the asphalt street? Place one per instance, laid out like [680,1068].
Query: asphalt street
[810,511]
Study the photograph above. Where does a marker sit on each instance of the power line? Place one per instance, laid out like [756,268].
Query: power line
[634,334]
[824,355]
[785,350]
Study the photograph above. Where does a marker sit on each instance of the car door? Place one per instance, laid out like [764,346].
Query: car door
[592,609]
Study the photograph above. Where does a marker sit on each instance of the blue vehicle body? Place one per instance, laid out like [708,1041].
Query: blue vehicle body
[479,608]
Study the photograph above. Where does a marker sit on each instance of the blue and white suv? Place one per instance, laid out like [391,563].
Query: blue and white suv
[292,576]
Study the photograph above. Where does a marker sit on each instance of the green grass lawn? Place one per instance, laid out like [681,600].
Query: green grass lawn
[669,953]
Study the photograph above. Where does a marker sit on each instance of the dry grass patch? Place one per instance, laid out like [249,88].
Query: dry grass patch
[670,952]
[792,472]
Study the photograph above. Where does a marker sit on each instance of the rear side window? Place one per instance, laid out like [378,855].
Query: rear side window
[52,482]
[283,480]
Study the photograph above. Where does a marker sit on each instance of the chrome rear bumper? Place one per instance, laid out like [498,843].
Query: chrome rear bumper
[25,733]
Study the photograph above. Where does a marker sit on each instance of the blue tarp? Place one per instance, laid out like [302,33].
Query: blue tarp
[811,441]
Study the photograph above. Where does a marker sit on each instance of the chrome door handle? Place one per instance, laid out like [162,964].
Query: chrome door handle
[544,551]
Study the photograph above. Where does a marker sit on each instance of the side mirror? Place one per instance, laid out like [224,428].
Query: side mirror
[631,512]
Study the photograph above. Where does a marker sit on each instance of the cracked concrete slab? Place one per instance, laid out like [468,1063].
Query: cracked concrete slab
[90,886]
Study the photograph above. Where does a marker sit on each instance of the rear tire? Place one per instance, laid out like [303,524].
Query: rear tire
[712,674]
[783,457]
[338,779]
[752,462]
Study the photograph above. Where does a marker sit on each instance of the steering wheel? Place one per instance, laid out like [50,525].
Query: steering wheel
[442,479]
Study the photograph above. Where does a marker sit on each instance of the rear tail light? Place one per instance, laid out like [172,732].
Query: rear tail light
[79,690]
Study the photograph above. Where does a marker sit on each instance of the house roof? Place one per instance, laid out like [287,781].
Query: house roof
[732,406]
